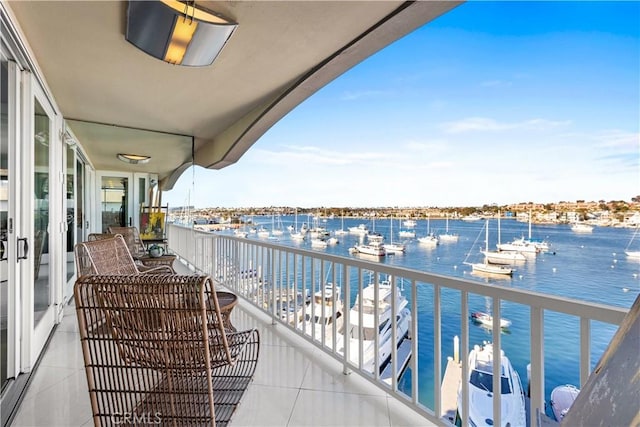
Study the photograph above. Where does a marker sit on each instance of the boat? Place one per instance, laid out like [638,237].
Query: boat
[263,233]
[518,245]
[562,397]
[472,217]
[374,248]
[429,239]
[512,402]
[581,227]
[407,234]
[276,226]
[486,319]
[393,248]
[366,332]
[322,312]
[501,256]
[361,229]
[630,253]
[319,243]
[341,231]
[298,234]
[486,266]
[409,223]
[446,236]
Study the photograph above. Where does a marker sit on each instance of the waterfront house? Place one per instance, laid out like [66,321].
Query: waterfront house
[94,127]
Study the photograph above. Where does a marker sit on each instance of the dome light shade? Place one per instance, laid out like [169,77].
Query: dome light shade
[176,32]
[134,159]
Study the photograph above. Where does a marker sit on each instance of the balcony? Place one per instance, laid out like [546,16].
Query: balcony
[313,380]
[295,384]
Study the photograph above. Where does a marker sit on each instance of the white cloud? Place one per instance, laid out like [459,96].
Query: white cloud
[484,124]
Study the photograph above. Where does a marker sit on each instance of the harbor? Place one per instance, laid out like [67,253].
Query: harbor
[587,266]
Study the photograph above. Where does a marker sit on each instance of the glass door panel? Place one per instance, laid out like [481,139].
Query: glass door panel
[71,208]
[115,202]
[4,216]
[42,294]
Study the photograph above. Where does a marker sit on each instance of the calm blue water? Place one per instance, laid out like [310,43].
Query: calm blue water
[590,267]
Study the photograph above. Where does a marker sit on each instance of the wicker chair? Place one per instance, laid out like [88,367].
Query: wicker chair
[166,358]
[110,256]
[132,237]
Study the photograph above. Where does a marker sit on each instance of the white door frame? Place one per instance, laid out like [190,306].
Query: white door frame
[34,336]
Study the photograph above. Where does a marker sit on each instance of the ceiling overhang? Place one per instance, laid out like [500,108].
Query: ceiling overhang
[114,95]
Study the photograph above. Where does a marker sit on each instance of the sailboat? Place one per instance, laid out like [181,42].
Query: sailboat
[633,254]
[395,248]
[486,266]
[276,227]
[297,234]
[429,239]
[342,231]
[523,245]
[406,233]
[503,257]
[446,236]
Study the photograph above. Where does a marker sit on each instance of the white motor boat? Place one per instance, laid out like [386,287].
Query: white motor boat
[581,227]
[365,333]
[562,397]
[322,312]
[513,412]
[372,248]
[487,320]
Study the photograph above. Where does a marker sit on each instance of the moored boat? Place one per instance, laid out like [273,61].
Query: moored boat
[512,402]
[562,397]
[487,320]
[382,310]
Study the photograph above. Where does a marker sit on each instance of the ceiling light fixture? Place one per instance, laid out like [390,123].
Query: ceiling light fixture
[134,159]
[177,32]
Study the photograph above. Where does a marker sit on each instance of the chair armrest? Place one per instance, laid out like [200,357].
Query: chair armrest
[161,269]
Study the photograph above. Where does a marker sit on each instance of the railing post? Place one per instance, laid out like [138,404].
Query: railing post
[536,382]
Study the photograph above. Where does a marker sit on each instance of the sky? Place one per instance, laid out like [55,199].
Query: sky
[494,102]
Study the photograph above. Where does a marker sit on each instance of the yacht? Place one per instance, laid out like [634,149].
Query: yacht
[480,380]
[361,229]
[581,227]
[367,331]
[327,311]
[374,248]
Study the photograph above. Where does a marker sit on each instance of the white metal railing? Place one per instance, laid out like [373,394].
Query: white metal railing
[280,279]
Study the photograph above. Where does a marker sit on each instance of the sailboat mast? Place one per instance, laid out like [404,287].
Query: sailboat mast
[486,237]
[499,215]
[529,225]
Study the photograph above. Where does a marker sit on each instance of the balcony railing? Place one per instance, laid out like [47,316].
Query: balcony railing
[289,284]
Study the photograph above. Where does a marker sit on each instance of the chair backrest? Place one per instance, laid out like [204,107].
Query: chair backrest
[132,237]
[100,236]
[105,256]
[164,335]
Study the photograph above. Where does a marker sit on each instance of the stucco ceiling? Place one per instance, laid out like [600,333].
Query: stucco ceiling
[115,97]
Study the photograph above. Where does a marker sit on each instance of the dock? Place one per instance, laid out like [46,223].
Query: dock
[449,390]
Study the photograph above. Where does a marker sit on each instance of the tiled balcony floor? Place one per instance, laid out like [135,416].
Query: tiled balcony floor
[295,384]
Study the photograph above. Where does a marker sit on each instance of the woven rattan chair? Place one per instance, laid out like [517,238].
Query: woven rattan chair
[110,256]
[132,237]
[166,359]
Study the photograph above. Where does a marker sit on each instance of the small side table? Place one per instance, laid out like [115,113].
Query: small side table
[150,261]
[227,301]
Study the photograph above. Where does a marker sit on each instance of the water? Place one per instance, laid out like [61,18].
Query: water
[591,267]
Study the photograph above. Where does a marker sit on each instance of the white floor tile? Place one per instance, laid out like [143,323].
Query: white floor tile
[66,404]
[323,408]
[265,406]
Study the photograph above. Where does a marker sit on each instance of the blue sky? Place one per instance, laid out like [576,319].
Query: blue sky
[494,102]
